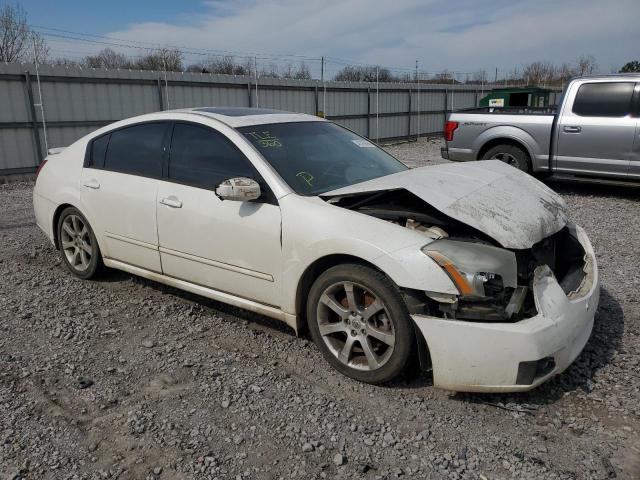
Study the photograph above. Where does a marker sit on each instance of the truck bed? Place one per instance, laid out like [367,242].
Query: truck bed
[475,126]
[510,110]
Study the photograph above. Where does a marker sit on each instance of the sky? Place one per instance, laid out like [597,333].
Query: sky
[457,35]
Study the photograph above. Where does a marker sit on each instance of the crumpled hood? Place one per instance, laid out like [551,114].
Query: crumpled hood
[513,208]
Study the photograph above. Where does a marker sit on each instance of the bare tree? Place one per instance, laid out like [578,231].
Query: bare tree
[479,77]
[564,72]
[538,73]
[18,42]
[227,65]
[369,73]
[161,59]
[66,62]
[586,65]
[107,58]
[269,71]
[444,77]
[300,72]
[39,51]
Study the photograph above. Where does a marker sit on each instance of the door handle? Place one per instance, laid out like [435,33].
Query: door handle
[172,202]
[571,129]
[93,183]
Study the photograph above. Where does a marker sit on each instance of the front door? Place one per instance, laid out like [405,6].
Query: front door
[596,136]
[119,188]
[226,245]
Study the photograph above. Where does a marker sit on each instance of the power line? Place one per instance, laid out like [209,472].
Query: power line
[155,46]
[329,62]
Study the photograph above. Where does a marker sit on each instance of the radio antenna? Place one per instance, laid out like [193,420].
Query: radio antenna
[41,104]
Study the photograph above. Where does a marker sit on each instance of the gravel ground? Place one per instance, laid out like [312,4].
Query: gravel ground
[126,378]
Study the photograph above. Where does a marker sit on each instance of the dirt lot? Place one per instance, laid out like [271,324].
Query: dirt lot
[125,378]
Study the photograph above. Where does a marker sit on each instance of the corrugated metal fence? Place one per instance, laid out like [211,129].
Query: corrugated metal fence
[77,101]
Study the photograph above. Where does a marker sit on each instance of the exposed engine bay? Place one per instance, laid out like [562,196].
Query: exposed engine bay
[495,283]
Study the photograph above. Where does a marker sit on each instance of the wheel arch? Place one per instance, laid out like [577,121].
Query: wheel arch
[56,217]
[503,141]
[313,271]
[322,264]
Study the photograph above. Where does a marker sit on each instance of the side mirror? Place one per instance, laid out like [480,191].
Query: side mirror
[240,189]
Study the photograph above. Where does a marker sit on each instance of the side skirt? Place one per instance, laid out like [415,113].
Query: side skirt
[217,295]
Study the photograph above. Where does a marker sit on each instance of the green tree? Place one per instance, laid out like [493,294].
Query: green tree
[629,67]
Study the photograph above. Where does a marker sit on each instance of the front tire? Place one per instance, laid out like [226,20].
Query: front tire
[360,323]
[78,245]
[511,155]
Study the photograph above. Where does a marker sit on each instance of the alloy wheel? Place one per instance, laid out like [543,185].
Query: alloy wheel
[356,326]
[76,242]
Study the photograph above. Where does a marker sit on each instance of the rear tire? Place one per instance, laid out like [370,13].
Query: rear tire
[360,323]
[511,155]
[78,245]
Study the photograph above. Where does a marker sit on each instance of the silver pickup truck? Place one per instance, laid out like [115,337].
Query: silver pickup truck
[593,133]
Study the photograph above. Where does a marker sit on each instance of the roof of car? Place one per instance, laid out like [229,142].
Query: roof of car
[244,116]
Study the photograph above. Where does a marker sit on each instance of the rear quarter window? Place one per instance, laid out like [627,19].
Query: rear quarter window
[137,150]
[98,151]
[603,99]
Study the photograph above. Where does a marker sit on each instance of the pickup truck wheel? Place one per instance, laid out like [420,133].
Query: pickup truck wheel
[360,323]
[510,154]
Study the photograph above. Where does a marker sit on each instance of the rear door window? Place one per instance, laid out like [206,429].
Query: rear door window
[205,158]
[603,99]
[137,150]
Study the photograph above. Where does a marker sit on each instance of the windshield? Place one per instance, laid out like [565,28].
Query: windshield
[316,157]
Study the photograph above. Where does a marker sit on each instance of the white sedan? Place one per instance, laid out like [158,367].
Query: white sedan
[474,271]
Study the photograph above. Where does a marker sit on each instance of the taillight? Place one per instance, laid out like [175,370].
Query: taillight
[40,168]
[449,128]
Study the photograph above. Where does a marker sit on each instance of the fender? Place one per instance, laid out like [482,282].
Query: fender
[393,249]
[512,133]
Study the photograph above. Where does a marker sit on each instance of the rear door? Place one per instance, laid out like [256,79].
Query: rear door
[596,133]
[230,246]
[119,188]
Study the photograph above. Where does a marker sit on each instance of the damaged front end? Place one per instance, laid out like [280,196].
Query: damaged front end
[525,277]
[494,283]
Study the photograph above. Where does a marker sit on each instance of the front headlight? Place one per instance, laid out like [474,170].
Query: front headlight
[469,284]
[476,269]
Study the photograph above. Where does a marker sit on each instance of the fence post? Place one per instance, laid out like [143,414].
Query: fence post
[316,101]
[33,119]
[160,99]
[409,123]
[249,93]
[369,112]
[446,106]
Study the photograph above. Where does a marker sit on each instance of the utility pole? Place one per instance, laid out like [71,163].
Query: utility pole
[164,71]
[255,65]
[496,78]
[41,104]
[324,89]
[416,78]
[377,106]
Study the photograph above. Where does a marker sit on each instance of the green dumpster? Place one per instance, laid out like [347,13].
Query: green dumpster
[517,97]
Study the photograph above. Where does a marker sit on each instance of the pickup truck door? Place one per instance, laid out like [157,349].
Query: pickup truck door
[596,130]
